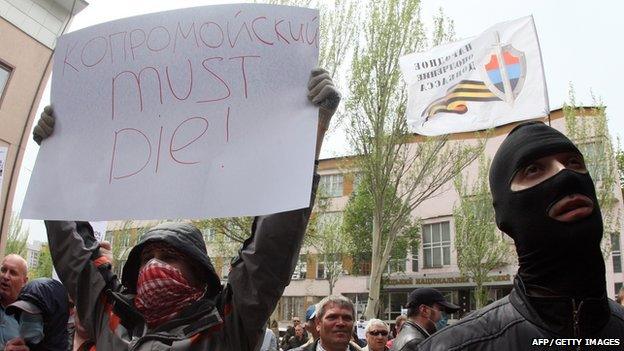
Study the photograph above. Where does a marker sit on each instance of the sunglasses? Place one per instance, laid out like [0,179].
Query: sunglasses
[378,332]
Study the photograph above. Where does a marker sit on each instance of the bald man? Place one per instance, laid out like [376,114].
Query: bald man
[13,277]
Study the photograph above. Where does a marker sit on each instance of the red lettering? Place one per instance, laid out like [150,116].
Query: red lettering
[112,164]
[188,34]
[300,37]
[65,62]
[253,29]
[137,79]
[172,149]
[97,60]
[134,45]
[279,34]
[201,36]
[243,70]
[149,37]
[229,92]
[190,88]
[244,25]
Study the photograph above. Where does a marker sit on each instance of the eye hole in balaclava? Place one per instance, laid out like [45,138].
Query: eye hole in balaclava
[548,250]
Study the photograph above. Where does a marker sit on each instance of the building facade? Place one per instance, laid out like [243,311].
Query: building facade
[432,264]
[28,33]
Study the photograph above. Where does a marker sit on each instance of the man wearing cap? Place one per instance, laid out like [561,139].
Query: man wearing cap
[13,276]
[42,309]
[545,200]
[426,313]
[170,297]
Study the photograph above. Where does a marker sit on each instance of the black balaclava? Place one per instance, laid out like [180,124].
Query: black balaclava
[564,258]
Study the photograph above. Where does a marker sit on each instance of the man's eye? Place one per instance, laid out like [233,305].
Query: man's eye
[530,170]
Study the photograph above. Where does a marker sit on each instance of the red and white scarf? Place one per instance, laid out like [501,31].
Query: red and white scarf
[162,292]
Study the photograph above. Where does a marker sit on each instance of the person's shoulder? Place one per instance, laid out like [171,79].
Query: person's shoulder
[483,324]
[617,310]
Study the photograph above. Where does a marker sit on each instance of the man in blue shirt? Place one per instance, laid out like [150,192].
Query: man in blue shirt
[13,277]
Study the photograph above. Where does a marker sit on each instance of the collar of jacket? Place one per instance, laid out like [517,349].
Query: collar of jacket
[562,315]
[418,327]
[316,346]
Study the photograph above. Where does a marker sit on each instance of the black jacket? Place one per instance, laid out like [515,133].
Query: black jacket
[522,322]
[410,336]
[50,297]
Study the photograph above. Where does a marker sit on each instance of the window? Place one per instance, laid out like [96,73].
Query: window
[392,303]
[5,74]
[415,259]
[331,185]
[291,306]
[436,245]
[359,301]
[395,265]
[321,271]
[616,253]
[301,269]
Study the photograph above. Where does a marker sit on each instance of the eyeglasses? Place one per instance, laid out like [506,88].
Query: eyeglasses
[378,332]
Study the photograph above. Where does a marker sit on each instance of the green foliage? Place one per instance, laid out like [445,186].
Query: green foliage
[402,173]
[122,240]
[588,129]
[17,237]
[480,247]
[44,265]
[358,227]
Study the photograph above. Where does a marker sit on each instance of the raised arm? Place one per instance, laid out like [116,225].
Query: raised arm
[74,250]
[267,259]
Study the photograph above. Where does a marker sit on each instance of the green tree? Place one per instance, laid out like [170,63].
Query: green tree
[480,246]
[43,269]
[17,237]
[588,129]
[358,227]
[330,244]
[389,157]
[122,240]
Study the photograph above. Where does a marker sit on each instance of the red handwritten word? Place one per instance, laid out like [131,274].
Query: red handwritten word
[168,39]
[154,77]
[196,127]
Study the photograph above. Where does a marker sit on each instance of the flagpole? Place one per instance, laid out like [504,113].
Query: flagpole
[539,48]
[503,70]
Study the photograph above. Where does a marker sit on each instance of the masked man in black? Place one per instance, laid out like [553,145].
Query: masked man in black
[545,200]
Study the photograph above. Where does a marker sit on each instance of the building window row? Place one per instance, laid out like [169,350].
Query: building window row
[331,185]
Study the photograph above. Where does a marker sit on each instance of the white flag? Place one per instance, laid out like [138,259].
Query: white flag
[477,83]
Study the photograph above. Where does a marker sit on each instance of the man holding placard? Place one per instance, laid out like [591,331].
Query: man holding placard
[170,297]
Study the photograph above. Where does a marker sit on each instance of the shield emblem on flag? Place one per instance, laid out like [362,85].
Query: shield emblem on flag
[511,72]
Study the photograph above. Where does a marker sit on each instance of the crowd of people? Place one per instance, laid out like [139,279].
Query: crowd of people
[169,296]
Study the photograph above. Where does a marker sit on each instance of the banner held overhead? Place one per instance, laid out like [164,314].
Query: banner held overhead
[477,83]
[193,113]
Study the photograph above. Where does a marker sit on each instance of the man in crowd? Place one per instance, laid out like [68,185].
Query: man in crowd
[310,327]
[169,296]
[290,332]
[398,324]
[298,339]
[376,335]
[335,316]
[13,277]
[427,311]
[42,309]
[545,200]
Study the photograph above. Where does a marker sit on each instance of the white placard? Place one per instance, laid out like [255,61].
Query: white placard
[464,86]
[99,230]
[193,113]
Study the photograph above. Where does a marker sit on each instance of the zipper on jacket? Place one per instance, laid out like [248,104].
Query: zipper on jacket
[575,318]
